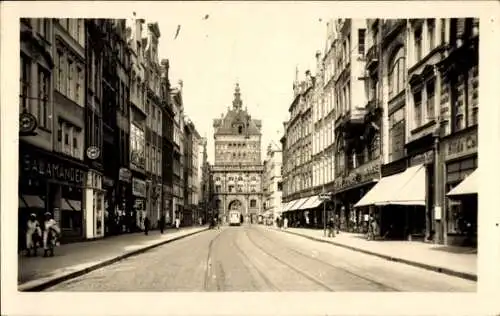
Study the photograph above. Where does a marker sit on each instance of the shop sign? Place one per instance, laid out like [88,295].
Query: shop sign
[364,173]
[138,187]
[27,124]
[39,166]
[93,152]
[461,146]
[424,158]
[124,175]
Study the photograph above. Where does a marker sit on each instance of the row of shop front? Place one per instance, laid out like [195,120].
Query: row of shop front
[405,198]
[86,204]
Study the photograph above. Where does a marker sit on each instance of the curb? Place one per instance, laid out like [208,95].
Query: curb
[463,275]
[40,285]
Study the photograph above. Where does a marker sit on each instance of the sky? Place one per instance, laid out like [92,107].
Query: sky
[251,43]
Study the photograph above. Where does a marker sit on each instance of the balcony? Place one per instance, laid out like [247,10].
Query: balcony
[351,119]
[372,58]
[373,110]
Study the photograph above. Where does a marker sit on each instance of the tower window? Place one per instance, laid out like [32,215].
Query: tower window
[240,129]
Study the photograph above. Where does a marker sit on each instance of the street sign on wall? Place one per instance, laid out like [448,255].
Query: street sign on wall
[324,196]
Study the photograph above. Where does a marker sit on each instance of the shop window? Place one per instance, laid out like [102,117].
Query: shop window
[461,217]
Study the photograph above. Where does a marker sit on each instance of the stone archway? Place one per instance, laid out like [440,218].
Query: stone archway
[235,205]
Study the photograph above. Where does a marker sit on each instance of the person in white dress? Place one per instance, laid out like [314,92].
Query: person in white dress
[33,231]
[50,233]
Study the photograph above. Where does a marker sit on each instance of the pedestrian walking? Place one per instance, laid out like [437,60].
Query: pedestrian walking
[285,223]
[177,223]
[331,227]
[33,235]
[50,234]
[162,223]
[146,225]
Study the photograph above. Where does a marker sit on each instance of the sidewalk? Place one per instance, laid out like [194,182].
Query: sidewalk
[74,259]
[456,261]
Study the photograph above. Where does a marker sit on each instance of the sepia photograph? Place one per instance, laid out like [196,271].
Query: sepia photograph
[220,150]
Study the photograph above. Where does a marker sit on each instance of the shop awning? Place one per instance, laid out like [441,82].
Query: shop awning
[289,205]
[298,205]
[304,204]
[21,203]
[313,202]
[405,188]
[71,205]
[467,186]
[31,201]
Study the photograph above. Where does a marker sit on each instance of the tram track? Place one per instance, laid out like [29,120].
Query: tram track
[268,282]
[304,274]
[209,266]
[300,253]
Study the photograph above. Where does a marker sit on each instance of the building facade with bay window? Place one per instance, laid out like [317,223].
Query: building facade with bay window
[137,150]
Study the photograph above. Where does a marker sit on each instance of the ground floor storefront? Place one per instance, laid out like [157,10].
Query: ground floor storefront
[51,182]
[138,212]
[119,204]
[460,188]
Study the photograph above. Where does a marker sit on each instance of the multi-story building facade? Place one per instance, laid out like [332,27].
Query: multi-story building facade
[237,169]
[138,115]
[154,122]
[52,126]
[95,50]
[206,184]
[116,124]
[357,124]
[457,85]
[191,184]
[167,143]
[178,142]
[299,150]
[272,183]
[429,101]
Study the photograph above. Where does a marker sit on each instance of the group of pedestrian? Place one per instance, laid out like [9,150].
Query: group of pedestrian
[282,223]
[46,236]
[161,224]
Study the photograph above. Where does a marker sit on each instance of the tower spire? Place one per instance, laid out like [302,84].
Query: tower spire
[237,103]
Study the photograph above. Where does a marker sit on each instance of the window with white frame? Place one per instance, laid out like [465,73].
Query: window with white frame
[70,83]
[417,108]
[43,96]
[431,30]
[397,74]
[430,107]
[418,43]
[24,82]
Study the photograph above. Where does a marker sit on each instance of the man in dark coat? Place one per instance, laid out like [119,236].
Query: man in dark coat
[161,224]
[146,225]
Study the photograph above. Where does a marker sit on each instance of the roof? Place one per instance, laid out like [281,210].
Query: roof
[237,118]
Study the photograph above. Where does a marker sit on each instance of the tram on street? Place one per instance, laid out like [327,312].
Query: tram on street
[234,218]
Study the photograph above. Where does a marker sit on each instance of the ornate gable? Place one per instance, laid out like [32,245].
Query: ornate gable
[237,121]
